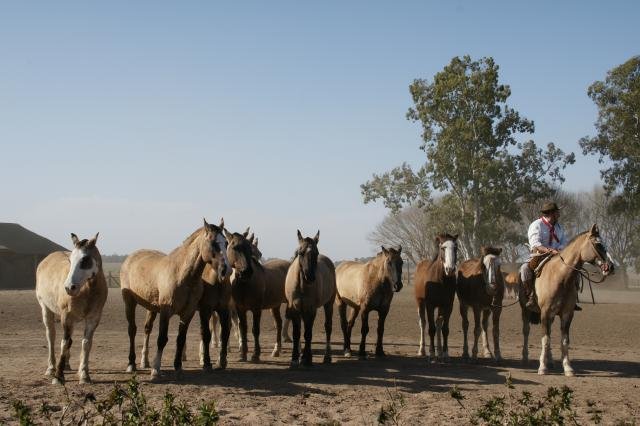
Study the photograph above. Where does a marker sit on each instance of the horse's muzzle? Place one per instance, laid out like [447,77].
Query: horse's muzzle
[397,286]
[607,268]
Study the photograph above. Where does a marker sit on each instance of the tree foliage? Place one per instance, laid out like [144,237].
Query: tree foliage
[618,132]
[472,155]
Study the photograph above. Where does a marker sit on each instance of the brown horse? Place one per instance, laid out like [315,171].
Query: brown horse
[311,283]
[367,287]
[255,287]
[511,283]
[435,287]
[71,285]
[170,285]
[480,286]
[557,291]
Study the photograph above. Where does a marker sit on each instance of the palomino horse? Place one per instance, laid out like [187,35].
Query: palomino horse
[255,287]
[170,285]
[481,287]
[367,287]
[557,292]
[72,286]
[435,287]
[311,283]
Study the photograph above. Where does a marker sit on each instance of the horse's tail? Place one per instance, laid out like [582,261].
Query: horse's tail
[534,317]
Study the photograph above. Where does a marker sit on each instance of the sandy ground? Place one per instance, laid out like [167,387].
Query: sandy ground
[605,353]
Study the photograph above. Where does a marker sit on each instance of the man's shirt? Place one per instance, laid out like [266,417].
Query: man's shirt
[540,235]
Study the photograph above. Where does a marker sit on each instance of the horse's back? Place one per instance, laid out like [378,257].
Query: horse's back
[139,274]
[470,284]
[420,278]
[350,278]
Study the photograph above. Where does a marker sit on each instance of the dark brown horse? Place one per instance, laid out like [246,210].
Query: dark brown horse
[311,283]
[368,287]
[435,287]
[255,287]
[169,284]
[481,287]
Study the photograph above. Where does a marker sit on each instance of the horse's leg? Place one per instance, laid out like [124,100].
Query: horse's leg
[364,317]
[328,325]
[50,331]
[65,345]
[213,323]
[526,327]
[257,314]
[277,319]
[185,320]
[350,323]
[445,333]
[342,311]
[90,325]
[163,338]
[225,330]
[308,317]
[565,325]
[148,326]
[477,330]
[242,322]
[432,332]
[205,336]
[546,344]
[294,316]
[486,352]
[130,312]
[464,313]
[382,316]
[285,331]
[439,320]
[495,330]
[422,322]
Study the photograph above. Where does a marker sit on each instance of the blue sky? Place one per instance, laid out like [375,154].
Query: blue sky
[136,119]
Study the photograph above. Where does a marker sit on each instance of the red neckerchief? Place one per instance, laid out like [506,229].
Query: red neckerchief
[552,231]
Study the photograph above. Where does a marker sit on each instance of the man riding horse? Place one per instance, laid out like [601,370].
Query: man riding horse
[546,239]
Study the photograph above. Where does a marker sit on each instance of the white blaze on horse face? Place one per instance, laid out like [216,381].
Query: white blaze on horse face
[491,263]
[82,267]
[222,243]
[449,256]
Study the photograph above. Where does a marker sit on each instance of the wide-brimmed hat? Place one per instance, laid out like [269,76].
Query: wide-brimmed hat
[549,207]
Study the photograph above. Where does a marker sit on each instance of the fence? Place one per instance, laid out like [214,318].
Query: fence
[113,280]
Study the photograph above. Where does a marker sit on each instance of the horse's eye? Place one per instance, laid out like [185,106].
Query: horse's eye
[86,262]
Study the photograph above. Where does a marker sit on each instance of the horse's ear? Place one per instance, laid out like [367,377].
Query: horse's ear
[317,237]
[75,240]
[222,223]
[206,224]
[594,230]
[92,242]
[250,239]
[384,250]
[246,232]
[299,236]
[227,234]
[399,249]
[499,249]
[255,242]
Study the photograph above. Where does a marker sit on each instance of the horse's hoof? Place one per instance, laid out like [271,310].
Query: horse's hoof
[57,381]
[85,380]
[207,368]
[255,358]
[326,359]
[380,354]
[362,356]
[498,361]
[542,371]
[287,339]
[67,366]
[221,365]
[488,355]
[293,365]
[179,375]
[155,374]
[275,353]
[49,372]
[145,364]
[242,358]
[422,352]
[569,372]
[131,368]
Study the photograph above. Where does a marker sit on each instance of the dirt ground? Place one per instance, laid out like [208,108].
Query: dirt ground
[605,352]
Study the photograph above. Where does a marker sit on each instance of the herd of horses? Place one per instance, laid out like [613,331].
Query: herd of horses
[220,275]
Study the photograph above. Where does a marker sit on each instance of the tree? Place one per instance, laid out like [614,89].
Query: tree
[618,132]
[472,156]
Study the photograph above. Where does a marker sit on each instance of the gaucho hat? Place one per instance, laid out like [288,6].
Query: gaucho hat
[549,207]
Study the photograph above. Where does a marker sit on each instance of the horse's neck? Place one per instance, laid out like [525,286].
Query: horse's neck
[571,255]
[438,268]
[376,270]
[190,264]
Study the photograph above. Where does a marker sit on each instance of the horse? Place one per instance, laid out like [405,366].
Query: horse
[310,283]
[71,285]
[511,285]
[557,291]
[435,287]
[169,284]
[366,287]
[480,286]
[254,287]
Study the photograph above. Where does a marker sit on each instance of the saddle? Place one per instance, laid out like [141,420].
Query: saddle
[537,263]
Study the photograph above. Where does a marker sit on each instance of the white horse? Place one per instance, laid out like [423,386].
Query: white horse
[71,285]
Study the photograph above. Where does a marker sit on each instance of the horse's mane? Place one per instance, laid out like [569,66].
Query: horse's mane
[490,250]
[573,240]
[187,241]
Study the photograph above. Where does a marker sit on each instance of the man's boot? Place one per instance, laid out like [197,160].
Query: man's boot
[532,302]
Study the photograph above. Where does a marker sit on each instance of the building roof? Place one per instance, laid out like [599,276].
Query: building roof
[18,239]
